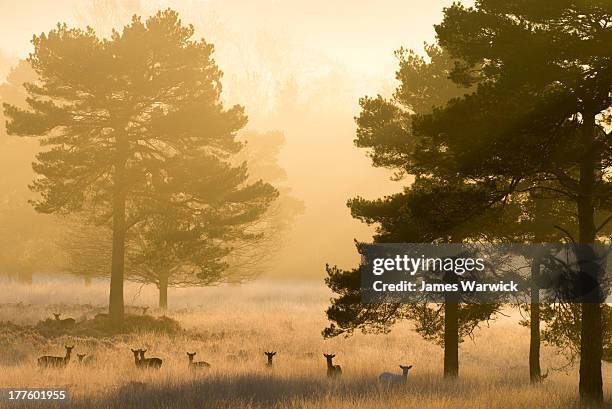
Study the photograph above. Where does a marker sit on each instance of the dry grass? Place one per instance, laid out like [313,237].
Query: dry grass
[243,322]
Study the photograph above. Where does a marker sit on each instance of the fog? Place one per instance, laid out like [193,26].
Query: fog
[298,67]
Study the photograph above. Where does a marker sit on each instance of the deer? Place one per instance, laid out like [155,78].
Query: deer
[55,361]
[332,370]
[85,359]
[141,362]
[154,363]
[144,309]
[136,353]
[391,377]
[270,355]
[66,322]
[198,364]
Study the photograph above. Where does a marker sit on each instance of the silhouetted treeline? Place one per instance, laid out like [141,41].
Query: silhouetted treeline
[519,154]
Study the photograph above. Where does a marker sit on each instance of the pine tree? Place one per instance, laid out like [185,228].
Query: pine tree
[432,209]
[133,124]
[538,117]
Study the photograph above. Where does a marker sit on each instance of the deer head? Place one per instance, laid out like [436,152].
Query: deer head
[270,355]
[405,369]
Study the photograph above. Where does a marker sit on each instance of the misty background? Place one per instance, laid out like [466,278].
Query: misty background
[298,68]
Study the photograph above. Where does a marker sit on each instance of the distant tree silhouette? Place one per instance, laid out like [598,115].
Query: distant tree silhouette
[261,156]
[134,126]
[87,248]
[173,263]
[147,261]
[26,238]
[538,118]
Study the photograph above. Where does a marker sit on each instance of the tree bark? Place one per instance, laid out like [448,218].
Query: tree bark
[591,348]
[451,338]
[115,305]
[535,372]
[163,292]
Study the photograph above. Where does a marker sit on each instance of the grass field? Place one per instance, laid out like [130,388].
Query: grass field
[230,327]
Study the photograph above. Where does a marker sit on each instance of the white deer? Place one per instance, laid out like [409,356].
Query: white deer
[392,377]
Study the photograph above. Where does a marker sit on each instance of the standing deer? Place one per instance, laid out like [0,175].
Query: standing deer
[196,365]
[270,355]
[332,370]
[136,353]
[154,363]
[66,322]
[55,361]
[391,377]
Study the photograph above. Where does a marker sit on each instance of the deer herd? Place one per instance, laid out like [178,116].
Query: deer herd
[141,362]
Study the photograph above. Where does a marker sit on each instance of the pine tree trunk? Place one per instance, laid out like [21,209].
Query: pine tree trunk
[163,292]
[535,372]
[591,337]
[591,353]
[451,338]
[116,307]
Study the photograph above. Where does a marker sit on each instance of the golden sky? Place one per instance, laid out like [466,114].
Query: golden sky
[325,54]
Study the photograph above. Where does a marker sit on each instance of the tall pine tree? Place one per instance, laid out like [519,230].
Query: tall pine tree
[538,118]
[433,209]
[133,124]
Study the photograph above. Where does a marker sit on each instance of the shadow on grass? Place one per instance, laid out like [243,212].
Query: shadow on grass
[268,391]
[253,391]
